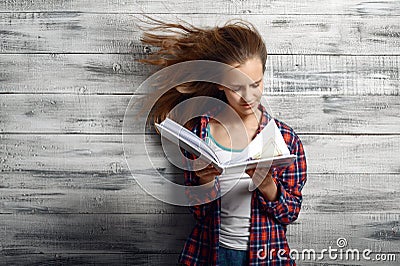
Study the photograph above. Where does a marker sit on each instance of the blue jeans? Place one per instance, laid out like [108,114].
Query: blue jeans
[232,257]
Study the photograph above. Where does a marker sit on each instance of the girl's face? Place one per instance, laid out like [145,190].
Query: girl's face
[245,98]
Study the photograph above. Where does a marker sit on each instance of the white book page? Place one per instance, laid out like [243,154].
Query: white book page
[277,161]
[267,144]
[175,132]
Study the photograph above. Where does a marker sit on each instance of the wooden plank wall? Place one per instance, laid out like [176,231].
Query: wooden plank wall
[67,73]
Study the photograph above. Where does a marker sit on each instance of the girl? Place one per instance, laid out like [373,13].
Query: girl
[242,227]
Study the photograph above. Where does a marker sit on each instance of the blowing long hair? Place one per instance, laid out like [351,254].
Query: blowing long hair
[232,43]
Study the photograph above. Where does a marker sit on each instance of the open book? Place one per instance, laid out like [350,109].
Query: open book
[267,149]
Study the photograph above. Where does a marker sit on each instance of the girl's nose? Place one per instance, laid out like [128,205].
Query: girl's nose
[245,93]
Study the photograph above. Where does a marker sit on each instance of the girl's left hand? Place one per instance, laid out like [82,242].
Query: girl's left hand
[261,176]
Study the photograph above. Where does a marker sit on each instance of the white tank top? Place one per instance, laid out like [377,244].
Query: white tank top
[235,202]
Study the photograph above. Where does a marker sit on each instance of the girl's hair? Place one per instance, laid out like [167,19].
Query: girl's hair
[233,43]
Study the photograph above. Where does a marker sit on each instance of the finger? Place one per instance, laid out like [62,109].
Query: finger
[212,168]
[200,166]
[261,171]
[257,180]
[250,172]
[206,171]
[257,171]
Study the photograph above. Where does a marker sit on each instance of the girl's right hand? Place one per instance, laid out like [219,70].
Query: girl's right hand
[206,174]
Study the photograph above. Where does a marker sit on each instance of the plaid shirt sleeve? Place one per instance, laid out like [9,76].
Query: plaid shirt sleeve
[289,182]
[200,202]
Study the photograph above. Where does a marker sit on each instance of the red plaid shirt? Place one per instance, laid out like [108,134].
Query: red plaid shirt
[268,219]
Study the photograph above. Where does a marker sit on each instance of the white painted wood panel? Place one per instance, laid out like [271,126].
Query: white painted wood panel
[268,7]
[67,72]
[120,74]
[165,233]
[104,114]
[94,153]
[76,32]
[57,192]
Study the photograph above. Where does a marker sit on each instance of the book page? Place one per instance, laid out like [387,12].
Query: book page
[175,132]
[267,144]
[278,161]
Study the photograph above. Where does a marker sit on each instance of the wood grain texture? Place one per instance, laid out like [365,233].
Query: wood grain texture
[208,7]
[33,32]
[166,233]
[68,71]
[64,192]
[325,153]
[121,74]
[80,258]
[105,114]
[152,259]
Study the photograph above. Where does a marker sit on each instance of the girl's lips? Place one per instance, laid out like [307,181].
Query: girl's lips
[247,105]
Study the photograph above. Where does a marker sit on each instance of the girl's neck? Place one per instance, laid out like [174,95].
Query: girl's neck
[240,131]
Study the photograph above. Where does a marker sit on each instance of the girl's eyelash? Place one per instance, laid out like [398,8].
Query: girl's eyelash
[238,88]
